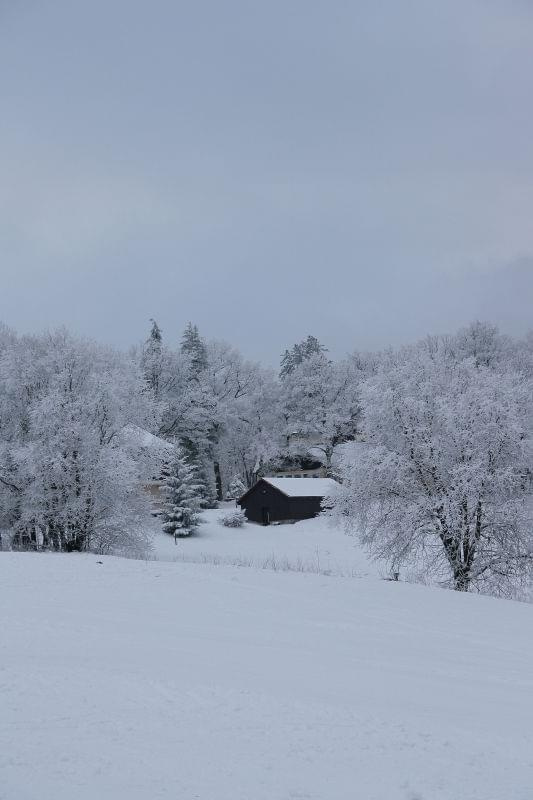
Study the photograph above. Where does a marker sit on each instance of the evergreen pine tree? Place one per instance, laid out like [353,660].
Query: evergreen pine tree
[193,346]
[299,353]
[182,491]
[156,334]
[151,359]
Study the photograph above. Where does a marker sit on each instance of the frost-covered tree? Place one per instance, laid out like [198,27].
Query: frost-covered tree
[253,424]
[193,347]
[212,403]
[229,382]
[236,488]
[320,404]
[483,343]
[66,482]
[443,474]
[183,498]
[299,353]
[152,358]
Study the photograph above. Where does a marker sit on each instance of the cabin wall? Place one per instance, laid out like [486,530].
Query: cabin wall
[304,507]
[265,499]
[264,496]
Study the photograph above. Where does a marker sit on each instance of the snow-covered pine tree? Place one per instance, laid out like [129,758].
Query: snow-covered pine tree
[236,488]
[182,504]
[193,347]
[152,358]
[299,353]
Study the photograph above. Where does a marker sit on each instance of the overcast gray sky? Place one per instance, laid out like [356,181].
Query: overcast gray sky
[360,170]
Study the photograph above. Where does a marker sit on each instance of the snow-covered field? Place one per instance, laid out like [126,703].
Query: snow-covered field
[311,545]
[132,680]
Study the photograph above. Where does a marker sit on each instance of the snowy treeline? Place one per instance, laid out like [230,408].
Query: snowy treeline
[438,471]
[69,479]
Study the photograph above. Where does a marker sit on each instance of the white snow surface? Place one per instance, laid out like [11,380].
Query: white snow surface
[312,545]
[304,487]
[129,680]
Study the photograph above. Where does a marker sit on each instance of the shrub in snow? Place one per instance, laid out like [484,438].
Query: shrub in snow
[233,519]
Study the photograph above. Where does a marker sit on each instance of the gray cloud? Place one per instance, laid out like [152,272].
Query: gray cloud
[362,171]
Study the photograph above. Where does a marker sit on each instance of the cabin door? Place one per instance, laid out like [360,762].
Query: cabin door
[265,515]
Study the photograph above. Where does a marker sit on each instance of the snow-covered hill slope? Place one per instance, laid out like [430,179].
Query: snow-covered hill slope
[128,680]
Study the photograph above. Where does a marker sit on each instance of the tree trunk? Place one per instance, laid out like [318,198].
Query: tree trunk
[455,553]
[218,479]
[461,578]
[329,453]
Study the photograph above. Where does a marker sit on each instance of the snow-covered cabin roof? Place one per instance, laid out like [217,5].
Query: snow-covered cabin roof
[304,487]
[135,438]
[149,452]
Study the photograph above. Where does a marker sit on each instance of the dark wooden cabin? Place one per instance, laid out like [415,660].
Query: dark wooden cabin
[285,499]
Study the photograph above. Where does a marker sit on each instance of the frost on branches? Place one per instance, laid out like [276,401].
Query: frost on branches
[320,403]
[65,481]
[183,498]
[444,475]
[236,488]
